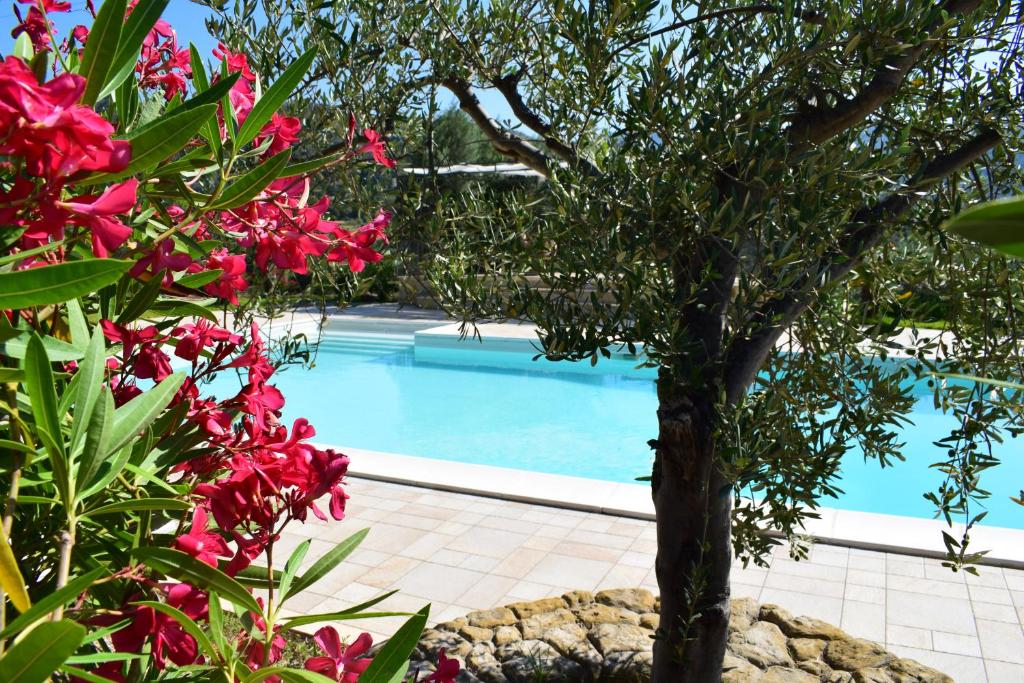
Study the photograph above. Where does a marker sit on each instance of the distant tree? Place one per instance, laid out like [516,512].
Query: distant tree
[726,181]
[455,140]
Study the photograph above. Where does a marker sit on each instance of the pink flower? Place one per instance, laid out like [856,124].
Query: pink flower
[194,337]
[95,212]
[236,61]
[140,350]
[163,259]
[56,137]
[283,129]
[375,146]
[202,544]
[447,670]
[343,663]
[169,639]
[356,247]
[50,5]
[232,279]
[35,25]
[161,63]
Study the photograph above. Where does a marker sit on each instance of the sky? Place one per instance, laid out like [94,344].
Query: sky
[187,19]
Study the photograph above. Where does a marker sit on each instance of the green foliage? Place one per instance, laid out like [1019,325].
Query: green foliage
[998,224]
[41,652]
[93,487]
[749,196]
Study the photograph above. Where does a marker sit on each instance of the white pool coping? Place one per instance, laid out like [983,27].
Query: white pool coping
[865,530]
[849,528]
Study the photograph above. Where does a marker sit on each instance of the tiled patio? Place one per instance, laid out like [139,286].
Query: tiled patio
[463,552]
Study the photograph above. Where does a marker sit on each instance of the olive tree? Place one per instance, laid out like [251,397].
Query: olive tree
[750,194]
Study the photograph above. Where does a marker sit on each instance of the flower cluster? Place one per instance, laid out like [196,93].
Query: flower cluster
[245,476]
[162,63]
[51,140]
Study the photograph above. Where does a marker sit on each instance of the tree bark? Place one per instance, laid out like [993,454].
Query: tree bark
[693,502]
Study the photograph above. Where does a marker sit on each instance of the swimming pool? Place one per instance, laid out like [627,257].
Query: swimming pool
[446,401]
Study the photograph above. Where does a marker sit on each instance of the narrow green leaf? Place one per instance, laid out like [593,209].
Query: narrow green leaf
[212,95]
[183,567]
[291,567]
[109,469]
[245,188]
[255,576]
[22,255]
[86,676]
[288,675]
[205,646]
[273,98]
[154,143]
[305,167]
[196,280]
[998,224]
[329,561]
[56,350]
[395,653]
[142,300]
[216,620]
[139,24]
[100,49]
[78,324]
[58,283]
[17,446]
[174,309]
[52,601]
[101,657]
[228,111]
[36,656]
[199,78]
[11,375]
[23,48]
[88,386]
[10,576]
[97,439]
[306,619]
[138,413]
[138,505]
[42,394]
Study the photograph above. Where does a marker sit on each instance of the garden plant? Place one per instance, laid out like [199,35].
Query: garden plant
[748,194]
[142,185]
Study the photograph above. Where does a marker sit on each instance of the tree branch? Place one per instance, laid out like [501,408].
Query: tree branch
[823,122]
[866,229]
[502,140]
[507,86]
[808,17]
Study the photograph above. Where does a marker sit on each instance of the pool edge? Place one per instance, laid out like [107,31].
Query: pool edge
[847,528]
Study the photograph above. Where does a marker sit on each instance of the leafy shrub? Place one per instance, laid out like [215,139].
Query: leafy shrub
[138,189]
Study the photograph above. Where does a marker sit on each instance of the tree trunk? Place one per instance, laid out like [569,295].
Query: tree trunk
[693,503]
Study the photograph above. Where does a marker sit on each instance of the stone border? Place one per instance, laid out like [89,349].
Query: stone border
[608,637]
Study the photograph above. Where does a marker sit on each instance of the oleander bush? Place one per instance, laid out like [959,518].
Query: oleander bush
[141,188]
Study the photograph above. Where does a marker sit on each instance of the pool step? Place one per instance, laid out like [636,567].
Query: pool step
[365,344]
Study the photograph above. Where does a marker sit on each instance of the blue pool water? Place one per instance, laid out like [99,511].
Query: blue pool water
[380,393]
